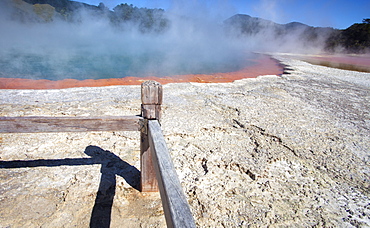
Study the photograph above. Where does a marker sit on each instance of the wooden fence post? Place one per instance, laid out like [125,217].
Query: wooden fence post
[151,100]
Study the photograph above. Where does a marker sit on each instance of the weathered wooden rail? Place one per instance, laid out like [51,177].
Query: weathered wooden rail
[157,170]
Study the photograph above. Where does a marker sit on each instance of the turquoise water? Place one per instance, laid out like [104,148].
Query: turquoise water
[89,65]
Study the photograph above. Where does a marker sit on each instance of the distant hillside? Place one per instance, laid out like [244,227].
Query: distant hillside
[63,6]
[27,13]
[354,39]
[248,25]
[245,25]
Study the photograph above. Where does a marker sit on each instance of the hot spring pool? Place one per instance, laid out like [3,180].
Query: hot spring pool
[87,65]
[39,72]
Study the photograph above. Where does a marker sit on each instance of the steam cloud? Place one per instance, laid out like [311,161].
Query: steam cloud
[91,46]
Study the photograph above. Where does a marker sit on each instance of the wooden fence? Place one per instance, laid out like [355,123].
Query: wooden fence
[157,170]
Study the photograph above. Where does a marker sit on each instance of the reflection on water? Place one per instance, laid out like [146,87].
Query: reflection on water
[353,63]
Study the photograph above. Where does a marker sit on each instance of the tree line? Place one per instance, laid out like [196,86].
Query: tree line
[147,20]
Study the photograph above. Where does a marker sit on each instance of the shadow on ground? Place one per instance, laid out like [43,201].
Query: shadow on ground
[111,165]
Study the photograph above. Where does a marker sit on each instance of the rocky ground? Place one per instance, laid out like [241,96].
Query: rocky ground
[273,151]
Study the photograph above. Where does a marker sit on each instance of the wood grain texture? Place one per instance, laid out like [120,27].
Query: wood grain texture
[151,92]
[151,99]
[175,205]
[151,112]
[148,179]
[35,124]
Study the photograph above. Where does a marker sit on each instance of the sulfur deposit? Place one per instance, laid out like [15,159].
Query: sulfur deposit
[289,151]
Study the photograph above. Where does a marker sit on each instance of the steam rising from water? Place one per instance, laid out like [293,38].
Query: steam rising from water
[94,48]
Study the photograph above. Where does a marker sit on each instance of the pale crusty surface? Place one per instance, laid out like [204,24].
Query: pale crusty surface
[273,151]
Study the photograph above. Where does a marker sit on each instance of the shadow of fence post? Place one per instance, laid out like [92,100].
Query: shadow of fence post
[111,166]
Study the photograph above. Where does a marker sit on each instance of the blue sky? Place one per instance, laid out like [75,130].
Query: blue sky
[324,13]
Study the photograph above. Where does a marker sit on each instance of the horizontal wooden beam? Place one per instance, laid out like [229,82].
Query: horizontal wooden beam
[175,206]
[34,124]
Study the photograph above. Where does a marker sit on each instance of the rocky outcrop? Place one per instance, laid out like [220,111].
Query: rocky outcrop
[45,11]
[19,10]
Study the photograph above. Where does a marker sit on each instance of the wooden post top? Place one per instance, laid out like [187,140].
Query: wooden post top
[151,100]
[151,93]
